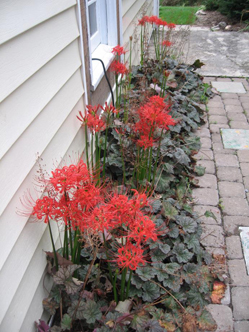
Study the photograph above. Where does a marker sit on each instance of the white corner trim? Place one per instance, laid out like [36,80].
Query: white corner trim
[81,45]
[103,52]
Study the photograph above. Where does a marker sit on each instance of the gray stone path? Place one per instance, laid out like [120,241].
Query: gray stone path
[224,53]
[223,191]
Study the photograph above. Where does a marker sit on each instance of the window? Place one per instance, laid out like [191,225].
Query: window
[102,31]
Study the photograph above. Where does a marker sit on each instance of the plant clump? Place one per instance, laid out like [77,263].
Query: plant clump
[131,258]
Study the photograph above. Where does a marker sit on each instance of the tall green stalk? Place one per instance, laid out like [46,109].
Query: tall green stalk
[87,156]
[53,246]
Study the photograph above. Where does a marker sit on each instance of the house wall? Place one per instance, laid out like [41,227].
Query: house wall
[132,11]
[41,92]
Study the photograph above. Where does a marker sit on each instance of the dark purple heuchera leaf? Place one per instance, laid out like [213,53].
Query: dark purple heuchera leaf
[42,326]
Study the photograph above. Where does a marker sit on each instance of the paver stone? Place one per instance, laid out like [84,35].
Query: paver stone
[205,196]
[234,206]
[223,316]
[240,300]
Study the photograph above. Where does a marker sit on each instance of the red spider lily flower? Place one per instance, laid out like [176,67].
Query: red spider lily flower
[118,68]
[139,200]
[154,114]
[130,256]
[68,177]
[109,109]
[155,20]
[164,23]
[142,229]
[118,50]
[143,20]
[92,120]
[45,208]
[166,43]
[101,219]
[171,25]
[145,142]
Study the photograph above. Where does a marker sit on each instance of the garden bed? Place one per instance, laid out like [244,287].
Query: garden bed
[131,258]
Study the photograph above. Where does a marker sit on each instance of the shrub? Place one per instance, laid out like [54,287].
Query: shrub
[234,8]
[211,4]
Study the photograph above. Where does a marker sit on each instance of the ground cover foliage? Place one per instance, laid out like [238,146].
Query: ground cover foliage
[132,258]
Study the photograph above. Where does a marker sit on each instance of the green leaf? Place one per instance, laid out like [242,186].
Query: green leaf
[55,293]
[169,211]
[182,254]
[50,305]
[173,231]
[92,312]
[154,326]
[157,255]
[164,247]
[162,182]
[197,64]
[156,206]
[181,190]
[173,282]
[168,168]
[181,157]
[80,309]
[200,170]
[193,142]
[206,321]
[195,297]
[210,214]
[161,272]
[192,242]
[66,322]
[136,281]
[171,268]
[150,292]
[188,224]
[65,273]
[146,273]
[135,292]
[139,322]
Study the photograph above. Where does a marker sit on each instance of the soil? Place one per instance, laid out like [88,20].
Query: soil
[213,18]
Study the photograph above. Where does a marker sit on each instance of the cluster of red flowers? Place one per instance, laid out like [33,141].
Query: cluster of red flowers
[153,115]
[166,43]
[155,20]
[118,68]
[75,200]
[92,120]
[118,50]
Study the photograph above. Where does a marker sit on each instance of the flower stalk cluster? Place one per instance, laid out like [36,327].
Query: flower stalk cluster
[161,46]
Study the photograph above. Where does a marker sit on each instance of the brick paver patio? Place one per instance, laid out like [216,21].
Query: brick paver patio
[223,190]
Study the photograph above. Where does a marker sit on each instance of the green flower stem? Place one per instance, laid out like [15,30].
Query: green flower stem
[128,285]
[116,81]
[97,157]
[124,272]
[141,47]
[92,151]
[150,163]
[113,281]
[106,134]
[122,155]
[54,251]
[87,156]
[157,157]
[65,242]
[75,246]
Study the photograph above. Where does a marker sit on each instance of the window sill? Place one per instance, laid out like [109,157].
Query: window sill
[103,52]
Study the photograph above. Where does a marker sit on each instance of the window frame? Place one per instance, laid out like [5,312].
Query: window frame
[107,26]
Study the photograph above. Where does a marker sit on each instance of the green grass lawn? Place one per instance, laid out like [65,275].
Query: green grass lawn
[178,15]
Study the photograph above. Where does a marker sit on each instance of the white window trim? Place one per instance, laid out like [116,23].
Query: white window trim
[103,51]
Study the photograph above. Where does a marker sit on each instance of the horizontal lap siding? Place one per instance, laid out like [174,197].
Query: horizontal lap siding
[42,91]
[132,12]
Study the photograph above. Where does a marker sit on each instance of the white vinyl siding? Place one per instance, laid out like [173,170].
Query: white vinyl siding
[132,11]
[41,89]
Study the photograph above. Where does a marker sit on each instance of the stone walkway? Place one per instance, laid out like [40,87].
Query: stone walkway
[223,190]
